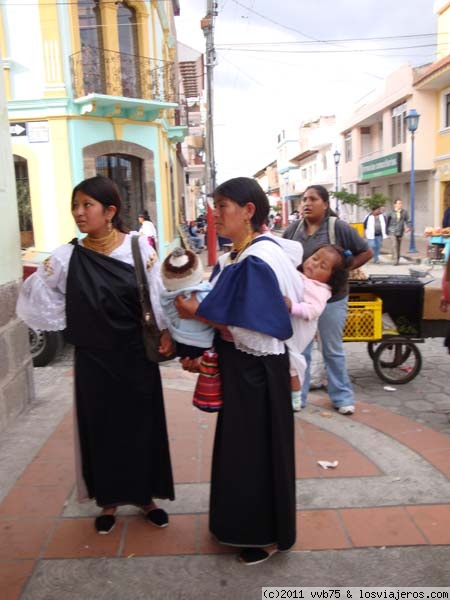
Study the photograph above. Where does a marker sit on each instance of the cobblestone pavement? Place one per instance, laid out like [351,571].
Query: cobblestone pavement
[425,399]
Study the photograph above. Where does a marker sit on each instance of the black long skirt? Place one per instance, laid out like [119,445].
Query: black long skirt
[122,428]
[253,474]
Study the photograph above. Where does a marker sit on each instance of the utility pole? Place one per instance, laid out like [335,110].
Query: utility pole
[207,25]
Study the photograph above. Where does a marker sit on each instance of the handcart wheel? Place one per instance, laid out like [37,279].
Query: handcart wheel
[371,347]
[397,362]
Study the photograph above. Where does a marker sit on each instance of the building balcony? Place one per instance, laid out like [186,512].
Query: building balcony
[113,83]
[195,141]
[370,155]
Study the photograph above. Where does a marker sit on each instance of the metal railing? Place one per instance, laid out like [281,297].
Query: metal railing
[97,71]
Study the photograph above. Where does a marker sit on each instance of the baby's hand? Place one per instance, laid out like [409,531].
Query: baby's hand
[191,364]
[186,307]
[288,303]
[166,347]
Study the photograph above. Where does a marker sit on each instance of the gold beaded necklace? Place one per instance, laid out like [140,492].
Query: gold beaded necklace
[236,251]
[103,245]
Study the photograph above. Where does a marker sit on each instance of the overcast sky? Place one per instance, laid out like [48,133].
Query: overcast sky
[283,62]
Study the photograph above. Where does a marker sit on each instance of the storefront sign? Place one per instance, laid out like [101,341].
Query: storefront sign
[37,131]
[379,167]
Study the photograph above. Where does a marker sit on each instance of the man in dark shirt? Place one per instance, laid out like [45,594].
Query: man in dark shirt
[397,222]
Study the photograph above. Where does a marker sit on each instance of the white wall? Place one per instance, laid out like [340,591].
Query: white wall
[27,68]
[10,265]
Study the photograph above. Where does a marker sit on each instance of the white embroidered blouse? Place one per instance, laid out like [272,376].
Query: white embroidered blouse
[291,285]
[42,299]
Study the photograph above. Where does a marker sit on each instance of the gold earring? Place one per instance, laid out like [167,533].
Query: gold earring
[109,225]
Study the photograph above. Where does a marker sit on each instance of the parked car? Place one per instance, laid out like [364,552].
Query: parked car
[44,345]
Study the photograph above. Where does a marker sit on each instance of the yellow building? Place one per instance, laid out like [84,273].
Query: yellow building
[92,88]
[437,78]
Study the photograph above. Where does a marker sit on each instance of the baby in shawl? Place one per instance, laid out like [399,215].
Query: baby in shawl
[182,273]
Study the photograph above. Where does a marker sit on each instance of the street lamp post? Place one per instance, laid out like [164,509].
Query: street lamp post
[412,122]
[337,158]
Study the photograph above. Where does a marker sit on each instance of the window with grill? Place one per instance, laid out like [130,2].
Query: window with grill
[128,46]
[399,127]
[89,22]
[447,110]
[348,150]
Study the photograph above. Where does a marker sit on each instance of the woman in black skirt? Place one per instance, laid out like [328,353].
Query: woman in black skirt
[88,288]
[252,502]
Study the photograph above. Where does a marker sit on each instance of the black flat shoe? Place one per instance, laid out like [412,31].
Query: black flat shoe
[158,517]
[104,524]
[254,556]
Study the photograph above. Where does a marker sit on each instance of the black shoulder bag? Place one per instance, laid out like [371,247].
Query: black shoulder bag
[150,332]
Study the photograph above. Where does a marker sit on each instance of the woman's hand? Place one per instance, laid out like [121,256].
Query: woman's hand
[166,347]
[191,364]
[186,307]
[444,304]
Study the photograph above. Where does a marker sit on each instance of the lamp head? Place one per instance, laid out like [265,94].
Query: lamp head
[337,157]
[412,120]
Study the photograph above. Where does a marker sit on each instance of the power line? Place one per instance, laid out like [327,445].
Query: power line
[292,29]
[273,20]
[243,72]
[335,41]
[346,50]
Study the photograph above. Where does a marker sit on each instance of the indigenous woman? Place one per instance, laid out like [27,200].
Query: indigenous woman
[89,289]
[313,231]
[252,501]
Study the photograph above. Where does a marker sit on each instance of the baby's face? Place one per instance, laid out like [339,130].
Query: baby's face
[320,265]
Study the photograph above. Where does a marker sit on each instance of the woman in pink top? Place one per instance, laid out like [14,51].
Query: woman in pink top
[322,273]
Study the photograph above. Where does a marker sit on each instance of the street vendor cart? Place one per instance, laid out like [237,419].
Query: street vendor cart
[438,244]
[386,312]
[394,313]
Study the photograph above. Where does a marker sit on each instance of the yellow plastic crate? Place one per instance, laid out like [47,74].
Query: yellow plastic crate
[364,322]
[359,228]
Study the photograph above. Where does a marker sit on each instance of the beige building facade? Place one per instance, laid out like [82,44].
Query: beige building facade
[376,145]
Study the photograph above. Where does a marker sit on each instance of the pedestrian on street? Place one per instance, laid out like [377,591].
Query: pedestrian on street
[147,228]
[397,222]
[375,228]
[195,237]
[445,299]
[318,228]
[293,216]
[88,288]
[252,502]
[446,217]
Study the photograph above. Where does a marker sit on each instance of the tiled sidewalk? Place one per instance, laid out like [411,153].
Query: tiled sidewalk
[36,522]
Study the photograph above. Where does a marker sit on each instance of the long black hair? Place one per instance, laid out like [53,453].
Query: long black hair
[105,191]
[242,190]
